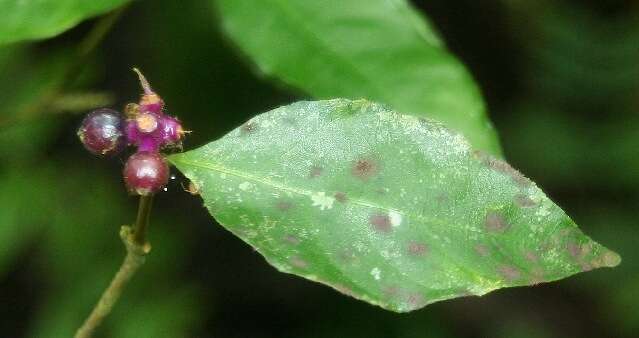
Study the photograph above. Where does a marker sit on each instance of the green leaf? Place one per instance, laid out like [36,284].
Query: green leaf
[389,208]
[376,49]
[39,19]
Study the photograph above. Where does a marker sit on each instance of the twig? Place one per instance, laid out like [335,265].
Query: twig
[137,248]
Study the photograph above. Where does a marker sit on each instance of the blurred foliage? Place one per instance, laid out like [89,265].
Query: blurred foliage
[37,19]
[381,50]
[562,88]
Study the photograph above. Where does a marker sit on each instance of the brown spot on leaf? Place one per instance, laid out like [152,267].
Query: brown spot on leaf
[291,239]
[417,249]
[315,171]
[442,198]
[495,222]
[524,201]
[482,250]
[578,251]
[509,273]
[340,197]
[346,255]
[537,275]
[416,300]
[574,249]
[381,223]
[502,167]
[381,191]
[365,168]
[585,266]
[298,262]
[343,289]
[390,292]
[566,232]
[531,257]
[284,205]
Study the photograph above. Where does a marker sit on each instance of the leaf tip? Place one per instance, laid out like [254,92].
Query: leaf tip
[609,259]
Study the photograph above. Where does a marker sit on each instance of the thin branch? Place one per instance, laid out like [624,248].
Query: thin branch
[137,248]
[142,222]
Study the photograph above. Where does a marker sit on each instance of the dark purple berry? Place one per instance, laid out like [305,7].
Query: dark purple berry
[102,132]
[146,173]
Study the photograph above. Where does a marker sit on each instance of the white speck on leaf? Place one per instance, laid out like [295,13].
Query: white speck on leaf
[543,210]
[244,186]
[376,273]
[395,218]
[322,201]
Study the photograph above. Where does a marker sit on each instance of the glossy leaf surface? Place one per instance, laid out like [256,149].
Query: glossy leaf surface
[37,19]
[388,208]
[376,49]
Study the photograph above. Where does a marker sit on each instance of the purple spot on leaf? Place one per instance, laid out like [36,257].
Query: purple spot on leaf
[346,255]
[315,171]
[502,167]
[340,197]
[298,262]
[381,223]
[524,201]
[364,168]
[291,239]
[531,257]
[416,300]
[495,222]
[284,205]
[509,273]
[482,250]
[574,249]
[417,249]
[343,289]
[390,292]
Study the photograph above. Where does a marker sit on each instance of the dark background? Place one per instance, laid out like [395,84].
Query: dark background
[561,79]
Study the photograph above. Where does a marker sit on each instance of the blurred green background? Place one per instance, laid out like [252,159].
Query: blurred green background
[561,79]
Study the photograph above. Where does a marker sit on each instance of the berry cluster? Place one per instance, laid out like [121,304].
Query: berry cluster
[105,132]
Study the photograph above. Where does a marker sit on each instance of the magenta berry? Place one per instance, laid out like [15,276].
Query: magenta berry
[172,131]
[102,132]
[147,127]
[146,173]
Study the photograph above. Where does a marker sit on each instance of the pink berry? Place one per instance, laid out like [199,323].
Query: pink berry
[143,132]
[102,132]
[172,130]
[146,173]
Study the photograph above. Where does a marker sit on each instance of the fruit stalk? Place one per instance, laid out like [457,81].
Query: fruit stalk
[142,222]
[137,248]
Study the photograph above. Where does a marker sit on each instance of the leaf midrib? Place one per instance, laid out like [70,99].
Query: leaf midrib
[472,274]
